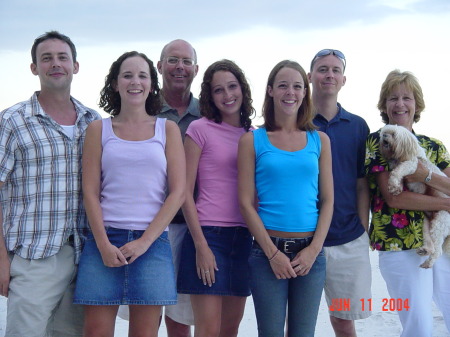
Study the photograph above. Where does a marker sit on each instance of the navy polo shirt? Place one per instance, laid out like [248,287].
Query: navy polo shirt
[348,133]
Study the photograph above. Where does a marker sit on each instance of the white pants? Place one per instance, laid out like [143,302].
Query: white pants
[182,311]
[406,280]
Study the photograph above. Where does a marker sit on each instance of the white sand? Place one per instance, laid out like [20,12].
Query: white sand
[381,323]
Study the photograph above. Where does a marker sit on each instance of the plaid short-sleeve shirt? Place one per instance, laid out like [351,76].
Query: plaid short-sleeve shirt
[40,167]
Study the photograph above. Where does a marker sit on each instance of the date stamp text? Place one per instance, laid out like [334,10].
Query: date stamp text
[367,304]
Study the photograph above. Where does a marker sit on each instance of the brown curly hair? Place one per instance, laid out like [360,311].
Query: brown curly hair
[110,99]
[207,107]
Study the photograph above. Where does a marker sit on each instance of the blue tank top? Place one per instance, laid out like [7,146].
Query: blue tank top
[287,184]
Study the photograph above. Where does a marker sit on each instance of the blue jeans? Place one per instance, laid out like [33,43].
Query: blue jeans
[301,296]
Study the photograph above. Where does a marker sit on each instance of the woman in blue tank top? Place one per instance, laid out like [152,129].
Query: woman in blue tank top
[287,164]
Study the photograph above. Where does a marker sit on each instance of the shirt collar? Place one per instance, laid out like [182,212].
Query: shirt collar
[191,109]
[36,109]
[342,114]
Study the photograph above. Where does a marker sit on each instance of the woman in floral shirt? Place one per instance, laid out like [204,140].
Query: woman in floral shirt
[397,221]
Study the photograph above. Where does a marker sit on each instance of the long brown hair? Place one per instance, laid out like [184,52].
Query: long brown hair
[110,99]
[207,107]
[305,114]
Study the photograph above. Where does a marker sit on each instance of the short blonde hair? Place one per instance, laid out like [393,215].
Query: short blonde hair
[393,79]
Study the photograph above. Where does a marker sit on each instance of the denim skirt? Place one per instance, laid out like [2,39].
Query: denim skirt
[149,280]
[231,248]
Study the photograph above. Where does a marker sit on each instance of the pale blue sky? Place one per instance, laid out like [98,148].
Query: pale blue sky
[376,37]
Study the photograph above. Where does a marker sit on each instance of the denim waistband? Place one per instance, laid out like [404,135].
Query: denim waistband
[290,245]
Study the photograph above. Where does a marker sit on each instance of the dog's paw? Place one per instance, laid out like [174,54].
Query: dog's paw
[423,251]
[395,190]
[427,264]
[395,186]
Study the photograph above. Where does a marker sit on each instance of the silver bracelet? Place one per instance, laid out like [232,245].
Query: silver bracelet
[428,178]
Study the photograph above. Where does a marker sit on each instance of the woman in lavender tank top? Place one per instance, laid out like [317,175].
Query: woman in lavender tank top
[133,184]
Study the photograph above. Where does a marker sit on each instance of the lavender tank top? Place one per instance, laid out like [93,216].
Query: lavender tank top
[134,178]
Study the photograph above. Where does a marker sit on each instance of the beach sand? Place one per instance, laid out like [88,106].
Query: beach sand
[380,324]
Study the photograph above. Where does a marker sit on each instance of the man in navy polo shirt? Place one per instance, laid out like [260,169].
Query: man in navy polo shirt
[347,244]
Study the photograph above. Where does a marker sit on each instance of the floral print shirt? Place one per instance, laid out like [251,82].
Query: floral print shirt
[393,229]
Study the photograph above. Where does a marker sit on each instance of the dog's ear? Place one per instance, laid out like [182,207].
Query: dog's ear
[406,144]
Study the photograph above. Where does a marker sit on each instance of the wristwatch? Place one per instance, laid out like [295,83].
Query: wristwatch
[428,178]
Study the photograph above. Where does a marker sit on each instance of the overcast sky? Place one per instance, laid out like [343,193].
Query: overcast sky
[93,22]
[376,37]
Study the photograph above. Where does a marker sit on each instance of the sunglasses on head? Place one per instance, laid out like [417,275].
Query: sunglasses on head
[326,52]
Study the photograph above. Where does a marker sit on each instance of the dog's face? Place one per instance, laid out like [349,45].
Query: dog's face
[398,143]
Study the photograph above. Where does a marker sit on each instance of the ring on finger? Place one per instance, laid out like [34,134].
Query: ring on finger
[206,271]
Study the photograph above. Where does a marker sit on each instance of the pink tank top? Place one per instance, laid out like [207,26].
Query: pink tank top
[134,178]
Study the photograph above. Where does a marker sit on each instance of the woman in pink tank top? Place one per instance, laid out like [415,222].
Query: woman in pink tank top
[214,264]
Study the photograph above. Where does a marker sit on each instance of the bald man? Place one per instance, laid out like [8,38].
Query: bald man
[178,68]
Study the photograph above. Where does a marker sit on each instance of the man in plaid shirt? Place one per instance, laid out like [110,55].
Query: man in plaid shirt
[43,219]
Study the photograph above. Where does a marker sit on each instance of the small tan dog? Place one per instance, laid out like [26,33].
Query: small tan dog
[402,151]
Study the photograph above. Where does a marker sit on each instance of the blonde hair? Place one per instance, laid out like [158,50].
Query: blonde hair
[394,79]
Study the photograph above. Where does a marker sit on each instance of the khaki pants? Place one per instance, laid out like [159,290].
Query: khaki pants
[349,278]
[40,297]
